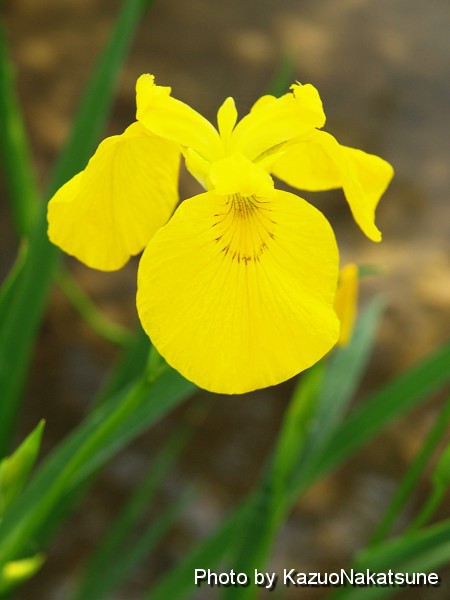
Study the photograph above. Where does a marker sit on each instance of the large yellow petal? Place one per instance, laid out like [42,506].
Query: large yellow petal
[174,120]
[236,292]
[321,163]
[109,212]
[275,121]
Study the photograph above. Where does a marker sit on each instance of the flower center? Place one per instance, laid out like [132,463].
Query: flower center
[245,228]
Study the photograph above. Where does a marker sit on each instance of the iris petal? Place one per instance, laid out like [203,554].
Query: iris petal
[174,120]
[321,163]
[275,121]
[236,292]
[110,211]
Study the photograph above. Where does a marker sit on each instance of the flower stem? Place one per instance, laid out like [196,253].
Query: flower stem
[86,308]
[412,476]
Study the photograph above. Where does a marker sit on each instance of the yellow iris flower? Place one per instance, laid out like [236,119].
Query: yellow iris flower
[236,289]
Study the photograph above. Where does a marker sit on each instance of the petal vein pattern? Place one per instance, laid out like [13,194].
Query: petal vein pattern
[109,212]
[237,292]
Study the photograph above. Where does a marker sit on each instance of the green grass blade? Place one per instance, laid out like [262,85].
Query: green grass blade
[132,362]
[412,476]
[421,552]
[345,369]
[14,149]
[111,544]
[271,499]
[104,327]
[15,573]
[317,406]
[104,432]
[136,552]
[21,320]
[383,407]
[179,582]
[379,410]
[283,78]
[15,469]
[9,285]
[95,106]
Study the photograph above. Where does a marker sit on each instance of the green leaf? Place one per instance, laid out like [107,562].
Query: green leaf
[104,432]
[14,150]
[284,76]
[317,406]
[383,407]
[288,461]
[103,567]
[21,319]
[15,469]
[9,285]
[441,475]
[180,581]
[420,552]
[16,572]
[131,364]
[378,411]
[345,369]
[405,490]
[142,546]
[271,500]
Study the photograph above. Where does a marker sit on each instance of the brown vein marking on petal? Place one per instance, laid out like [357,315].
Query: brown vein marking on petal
[245,228]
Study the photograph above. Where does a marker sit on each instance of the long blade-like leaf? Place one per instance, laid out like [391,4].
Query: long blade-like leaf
[104,432]
[420,552]
[379,410]
[14,148]
[385,405]
[21,319]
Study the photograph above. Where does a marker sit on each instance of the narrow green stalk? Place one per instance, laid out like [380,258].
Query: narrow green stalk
[412,476]
[283,77]
[363,423]
[14,539]
[86,308]
[23,193]
[15,152]
[22,318]
[429,508]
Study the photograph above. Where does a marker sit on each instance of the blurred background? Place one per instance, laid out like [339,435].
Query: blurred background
[382,68]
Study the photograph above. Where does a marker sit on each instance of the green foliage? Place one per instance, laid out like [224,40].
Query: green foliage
[105,431]
[109,565]
[422,551]
[406,489]
[17,572]
[15,469]
[368,419]
[14,150]
[21,318]
[441,475]
[319,432]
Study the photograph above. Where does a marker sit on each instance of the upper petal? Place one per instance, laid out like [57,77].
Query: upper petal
[321,163]
[274,121]
[236,292]
[174,120]
[109,212]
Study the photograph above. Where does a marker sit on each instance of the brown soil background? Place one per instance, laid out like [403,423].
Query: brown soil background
[382,69]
